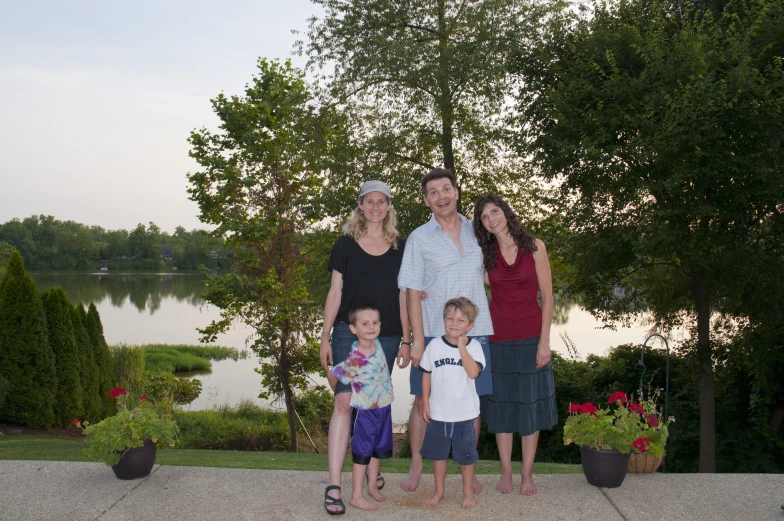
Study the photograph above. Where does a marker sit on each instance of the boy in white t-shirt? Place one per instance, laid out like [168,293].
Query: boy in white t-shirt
[450,365]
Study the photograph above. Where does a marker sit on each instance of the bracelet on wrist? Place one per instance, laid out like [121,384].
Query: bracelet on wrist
[324,334]
[406,343]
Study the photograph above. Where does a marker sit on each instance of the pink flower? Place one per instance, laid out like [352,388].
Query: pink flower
[642,444]
[117,391]
[75,421]
[652,421]
[618,396]
[143,398]
[574,408]
[636,407]
[587,408]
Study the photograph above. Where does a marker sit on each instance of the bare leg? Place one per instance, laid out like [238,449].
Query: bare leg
[357,498]
[478,487]
[504,441]
[416,436]
[439,473]
[527,487]
[468,489]
[372,472]
[337,444]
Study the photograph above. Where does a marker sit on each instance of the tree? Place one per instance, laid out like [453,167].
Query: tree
[426,83]
[26,360]
[68,402]
[258,185]
[88,370]
[103,361]
[5,255]
[663,124]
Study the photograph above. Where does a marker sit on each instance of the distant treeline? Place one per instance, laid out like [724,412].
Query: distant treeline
[47,243]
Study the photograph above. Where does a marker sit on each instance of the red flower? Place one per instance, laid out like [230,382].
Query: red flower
[143,398]
[117,391]
[652,421]
[587,408]
[642,444]
[618,395]
[574,407]
[636,407]
[75,421]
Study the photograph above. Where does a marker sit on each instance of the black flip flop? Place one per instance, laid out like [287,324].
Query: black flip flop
[379,478]
[330,501]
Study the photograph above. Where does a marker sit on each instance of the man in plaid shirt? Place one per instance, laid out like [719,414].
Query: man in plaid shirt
[443,259]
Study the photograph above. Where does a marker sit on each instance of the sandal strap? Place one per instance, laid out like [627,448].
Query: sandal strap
[331,487]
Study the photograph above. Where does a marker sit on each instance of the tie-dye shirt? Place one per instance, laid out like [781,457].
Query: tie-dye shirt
[371,386]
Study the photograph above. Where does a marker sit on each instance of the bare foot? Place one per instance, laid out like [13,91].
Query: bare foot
[361,502]
[411,482]
[468,501]
[527,487]
[376,494]
[504,485]
[434,499]
[476,487]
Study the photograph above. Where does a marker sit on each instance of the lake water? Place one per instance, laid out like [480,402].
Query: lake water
[166,308]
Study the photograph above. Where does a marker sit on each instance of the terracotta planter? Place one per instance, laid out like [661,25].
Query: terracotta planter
[136,462]
[644,463]
[604,468]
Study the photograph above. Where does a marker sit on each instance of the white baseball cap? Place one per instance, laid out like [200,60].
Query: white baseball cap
[375,186]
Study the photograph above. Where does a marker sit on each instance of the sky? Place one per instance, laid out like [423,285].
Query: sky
[97,100]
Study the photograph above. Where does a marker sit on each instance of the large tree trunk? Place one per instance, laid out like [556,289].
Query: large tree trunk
[283,374]
[705,375]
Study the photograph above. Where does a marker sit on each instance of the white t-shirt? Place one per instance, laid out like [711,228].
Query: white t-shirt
[453,395]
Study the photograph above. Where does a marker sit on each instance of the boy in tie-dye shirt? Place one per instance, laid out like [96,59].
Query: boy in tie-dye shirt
[365,369]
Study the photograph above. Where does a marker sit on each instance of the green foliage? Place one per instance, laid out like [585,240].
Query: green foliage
[127,429]
[5,386]
[314,407]
[68,402]
[5,256]
[663,127]
[128,362]
[173,358]
[26,359]
[47,243]
[103,360]
[425,84]
[259,187]
[88,370]
[162,386]
[246,427]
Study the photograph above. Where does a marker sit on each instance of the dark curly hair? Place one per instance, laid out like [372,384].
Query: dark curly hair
[523,238]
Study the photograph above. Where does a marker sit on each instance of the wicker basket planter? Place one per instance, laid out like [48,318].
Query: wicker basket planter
[644,463]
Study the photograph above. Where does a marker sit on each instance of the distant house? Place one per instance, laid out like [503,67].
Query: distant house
[166,252]
[215,255]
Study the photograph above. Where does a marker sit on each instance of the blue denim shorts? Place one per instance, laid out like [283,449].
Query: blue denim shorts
[343,339]
[458,436]
[484,384]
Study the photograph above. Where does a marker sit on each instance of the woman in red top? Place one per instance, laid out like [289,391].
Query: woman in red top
[523,398]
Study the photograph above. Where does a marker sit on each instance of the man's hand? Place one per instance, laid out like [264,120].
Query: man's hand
[403,356]
[543,354]
[325,354]
[426,412]
[417,351]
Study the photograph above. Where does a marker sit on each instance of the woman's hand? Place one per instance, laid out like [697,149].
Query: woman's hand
[325,354]
[543,354]
[403,356]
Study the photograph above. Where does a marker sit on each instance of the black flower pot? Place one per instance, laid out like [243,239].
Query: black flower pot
[136,462]
[604,468]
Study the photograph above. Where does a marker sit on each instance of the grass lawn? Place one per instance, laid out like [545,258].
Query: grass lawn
[55,448]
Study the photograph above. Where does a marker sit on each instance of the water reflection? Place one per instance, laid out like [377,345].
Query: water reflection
[144,291]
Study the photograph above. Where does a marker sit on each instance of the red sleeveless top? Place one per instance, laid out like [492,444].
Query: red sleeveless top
[514,307]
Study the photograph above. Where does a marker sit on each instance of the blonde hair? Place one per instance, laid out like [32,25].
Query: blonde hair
[356,225]
[463,305]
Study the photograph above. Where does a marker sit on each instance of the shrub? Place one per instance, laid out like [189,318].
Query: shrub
[161,386]
[88,371]
[128,363]
[244,427]
[103,361]
[26,359]
[68,402]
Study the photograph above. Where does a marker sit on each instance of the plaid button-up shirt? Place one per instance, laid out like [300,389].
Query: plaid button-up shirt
[432,263]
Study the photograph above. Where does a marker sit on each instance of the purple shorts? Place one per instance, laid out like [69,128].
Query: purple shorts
[372,435]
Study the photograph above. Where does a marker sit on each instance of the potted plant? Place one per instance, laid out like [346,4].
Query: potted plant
[607,436]
[650,459]
[128,440]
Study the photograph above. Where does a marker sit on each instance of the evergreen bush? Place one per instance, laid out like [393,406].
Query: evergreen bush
[103,361]
[26,360]
[68,399]
[88,373]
